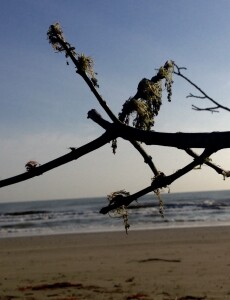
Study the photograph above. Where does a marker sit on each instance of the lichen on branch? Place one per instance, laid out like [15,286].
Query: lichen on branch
[120,211]
[84,64]
[145,105]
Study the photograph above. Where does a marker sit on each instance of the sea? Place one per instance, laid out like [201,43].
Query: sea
[49,217]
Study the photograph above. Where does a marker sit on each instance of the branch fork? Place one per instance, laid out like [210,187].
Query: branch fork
[146,103]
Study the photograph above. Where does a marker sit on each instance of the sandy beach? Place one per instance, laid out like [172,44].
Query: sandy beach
[185,263]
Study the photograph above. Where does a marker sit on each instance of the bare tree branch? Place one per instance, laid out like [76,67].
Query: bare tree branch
[96,117]
[159,182]
[209,163]
[205,96]
[181,140]
[147,158]
[210,109]
[219,140]
[73,155]
[56,33]
[194,96]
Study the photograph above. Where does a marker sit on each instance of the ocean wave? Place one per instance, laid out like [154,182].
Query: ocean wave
[82,215]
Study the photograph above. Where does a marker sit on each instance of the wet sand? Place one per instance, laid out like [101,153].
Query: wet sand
[164,264]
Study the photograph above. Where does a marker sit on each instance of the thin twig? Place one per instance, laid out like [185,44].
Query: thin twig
[209,163]
[205,96]
[210,109]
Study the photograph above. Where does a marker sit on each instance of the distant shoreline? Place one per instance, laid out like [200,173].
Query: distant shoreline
[122,231]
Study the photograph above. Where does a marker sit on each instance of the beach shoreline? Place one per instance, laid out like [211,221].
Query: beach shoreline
[172,263]
[9,235]
[65,216]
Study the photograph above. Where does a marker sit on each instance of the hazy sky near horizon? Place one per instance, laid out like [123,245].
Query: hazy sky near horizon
[44,104]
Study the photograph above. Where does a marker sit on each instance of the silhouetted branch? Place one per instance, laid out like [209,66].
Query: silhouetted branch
[159,182]
[56,38]
[205,96]
[181,140]
[96,117]
[209,163]
[194,96]
[147,158]
[73,155]
[219,140]
[210,109]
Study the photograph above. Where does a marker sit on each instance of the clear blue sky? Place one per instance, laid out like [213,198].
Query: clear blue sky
[44,105]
